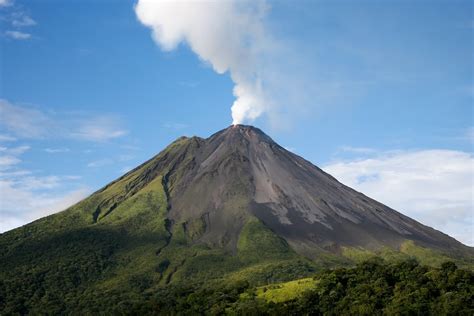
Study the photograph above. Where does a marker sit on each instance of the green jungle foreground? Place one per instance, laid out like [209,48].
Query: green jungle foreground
[373,287]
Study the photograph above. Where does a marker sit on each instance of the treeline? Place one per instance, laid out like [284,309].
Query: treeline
[378,288]
[371,288]
[374,287]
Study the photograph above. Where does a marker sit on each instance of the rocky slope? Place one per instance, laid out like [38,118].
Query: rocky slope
[240,172]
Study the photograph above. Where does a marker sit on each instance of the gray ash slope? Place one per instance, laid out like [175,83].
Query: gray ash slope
[240,172]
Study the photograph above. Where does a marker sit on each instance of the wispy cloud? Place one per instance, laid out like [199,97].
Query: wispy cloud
[100,129]
[470,134]
[31,183]
[17,35]
[8,161]
[177,126]
[432,186]
[125,157]
[15,150]
[9,156]
[25,122]
[100,163]
[26,196]
[5,3]
[7,138]
[359,150]
[57,150]
[72,177]
[20,205]
[32,123]
[109,161]
[21,19]
[16,20]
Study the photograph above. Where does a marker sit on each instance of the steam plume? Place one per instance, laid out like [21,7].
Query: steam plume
[229,35]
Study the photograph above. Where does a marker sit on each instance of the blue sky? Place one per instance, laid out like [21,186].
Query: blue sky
[378,93]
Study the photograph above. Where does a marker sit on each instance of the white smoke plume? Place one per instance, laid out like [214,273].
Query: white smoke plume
[229,35]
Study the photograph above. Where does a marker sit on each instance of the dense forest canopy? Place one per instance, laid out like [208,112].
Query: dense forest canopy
[373,287]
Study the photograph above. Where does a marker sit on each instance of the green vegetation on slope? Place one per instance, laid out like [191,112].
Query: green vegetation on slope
[283,292]
[373,287]
[257,243]
[408,250]
[77,261]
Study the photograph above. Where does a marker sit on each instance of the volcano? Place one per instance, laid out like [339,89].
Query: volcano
[240,173]
[233,206]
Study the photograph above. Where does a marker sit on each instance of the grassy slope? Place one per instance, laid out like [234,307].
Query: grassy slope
[258,243]
[282,292]
[69,256]
[409,249]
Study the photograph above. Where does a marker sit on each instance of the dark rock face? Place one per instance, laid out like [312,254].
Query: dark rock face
[216,184]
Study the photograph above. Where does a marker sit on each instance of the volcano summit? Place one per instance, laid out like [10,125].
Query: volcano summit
[234,206]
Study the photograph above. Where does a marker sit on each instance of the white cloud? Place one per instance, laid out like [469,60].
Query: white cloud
[229,35]
[20,19]
[8,161]
[8,156]
[17,35]
[5,3]
[25,196]
[435,187]
[19,206]
[16,20]
[276,77]
[27,122]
